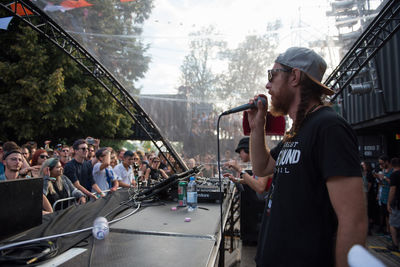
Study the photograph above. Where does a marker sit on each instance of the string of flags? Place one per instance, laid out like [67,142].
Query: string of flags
[50,7]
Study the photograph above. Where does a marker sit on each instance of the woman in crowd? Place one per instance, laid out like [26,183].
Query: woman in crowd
[38,158]
[56,185]
[154,172]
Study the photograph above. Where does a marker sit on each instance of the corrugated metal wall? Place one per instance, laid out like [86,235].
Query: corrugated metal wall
[361,108]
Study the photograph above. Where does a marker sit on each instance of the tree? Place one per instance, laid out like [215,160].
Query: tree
[110,31]
[196,67]
[247,68]
[43,93]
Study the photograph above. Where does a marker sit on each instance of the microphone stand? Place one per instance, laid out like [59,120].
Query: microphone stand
[222,244]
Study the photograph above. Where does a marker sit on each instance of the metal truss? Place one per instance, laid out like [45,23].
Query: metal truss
[378,33]
[44,25]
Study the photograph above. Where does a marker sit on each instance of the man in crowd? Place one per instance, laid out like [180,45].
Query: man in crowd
[12,161]
[64,155]
[103,174]
[79,171]
[393,204]
[124,170]
[318,206]
[258,184]
[384,186]
[121,153]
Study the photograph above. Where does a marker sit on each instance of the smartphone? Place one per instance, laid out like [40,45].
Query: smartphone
[274,125]
[90,141]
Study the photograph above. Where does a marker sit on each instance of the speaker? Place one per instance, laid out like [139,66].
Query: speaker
[21,204]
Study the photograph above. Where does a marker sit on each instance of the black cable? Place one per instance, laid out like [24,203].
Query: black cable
[30,254]
[221,247]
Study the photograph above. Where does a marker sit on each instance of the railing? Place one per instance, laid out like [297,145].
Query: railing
[73,198]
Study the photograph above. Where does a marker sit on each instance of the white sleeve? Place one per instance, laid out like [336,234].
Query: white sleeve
[117,172]
[96,168]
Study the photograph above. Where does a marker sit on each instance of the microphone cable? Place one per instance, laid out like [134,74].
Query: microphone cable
[222,245]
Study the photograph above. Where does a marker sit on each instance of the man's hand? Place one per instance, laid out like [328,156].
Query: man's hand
[231,177]
[46,171]
[113,189]
[257,116]
[232,164]
[82,200]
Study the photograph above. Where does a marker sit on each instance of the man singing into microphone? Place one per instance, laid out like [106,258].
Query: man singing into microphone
[318,208]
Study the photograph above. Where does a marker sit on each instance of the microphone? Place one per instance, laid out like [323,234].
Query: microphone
[245,106]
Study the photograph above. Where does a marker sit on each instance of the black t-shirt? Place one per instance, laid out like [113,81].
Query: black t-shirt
[302,225]
[395,181]
[59,194]
[80,171]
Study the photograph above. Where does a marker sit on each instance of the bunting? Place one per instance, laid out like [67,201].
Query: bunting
[75,4]
[4,22]
[22,11]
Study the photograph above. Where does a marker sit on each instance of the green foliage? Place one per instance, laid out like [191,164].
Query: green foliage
[111,32]
[46,95]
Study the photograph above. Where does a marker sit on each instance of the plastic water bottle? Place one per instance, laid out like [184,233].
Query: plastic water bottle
[100,228]
[192,194]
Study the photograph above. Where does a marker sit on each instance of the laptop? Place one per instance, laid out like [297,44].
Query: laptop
[20,205]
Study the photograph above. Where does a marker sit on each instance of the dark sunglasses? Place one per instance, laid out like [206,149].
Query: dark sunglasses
[135,158]
[65,150]
[156,161]
[271,73]
[44,157]
[83,148]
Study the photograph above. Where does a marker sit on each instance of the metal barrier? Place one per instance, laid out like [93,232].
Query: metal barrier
[63,200]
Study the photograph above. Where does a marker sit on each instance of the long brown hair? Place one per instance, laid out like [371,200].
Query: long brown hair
[309,91]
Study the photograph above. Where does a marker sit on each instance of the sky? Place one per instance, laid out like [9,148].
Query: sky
[167,30]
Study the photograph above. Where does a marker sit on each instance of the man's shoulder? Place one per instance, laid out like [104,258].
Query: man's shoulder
[119,166]
[327,116]
[327,120]
[70,163]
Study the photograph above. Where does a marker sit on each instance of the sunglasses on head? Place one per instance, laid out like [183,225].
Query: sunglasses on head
[44,157]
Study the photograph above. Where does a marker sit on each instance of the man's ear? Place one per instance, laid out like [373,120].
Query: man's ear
[295,77]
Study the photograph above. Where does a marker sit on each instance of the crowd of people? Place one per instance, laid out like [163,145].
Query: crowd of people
[82,171]
[382,188]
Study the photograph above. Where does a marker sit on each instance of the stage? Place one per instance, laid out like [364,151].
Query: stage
[156,235]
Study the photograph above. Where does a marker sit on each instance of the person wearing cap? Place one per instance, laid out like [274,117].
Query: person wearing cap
[318,206]
[258,184]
